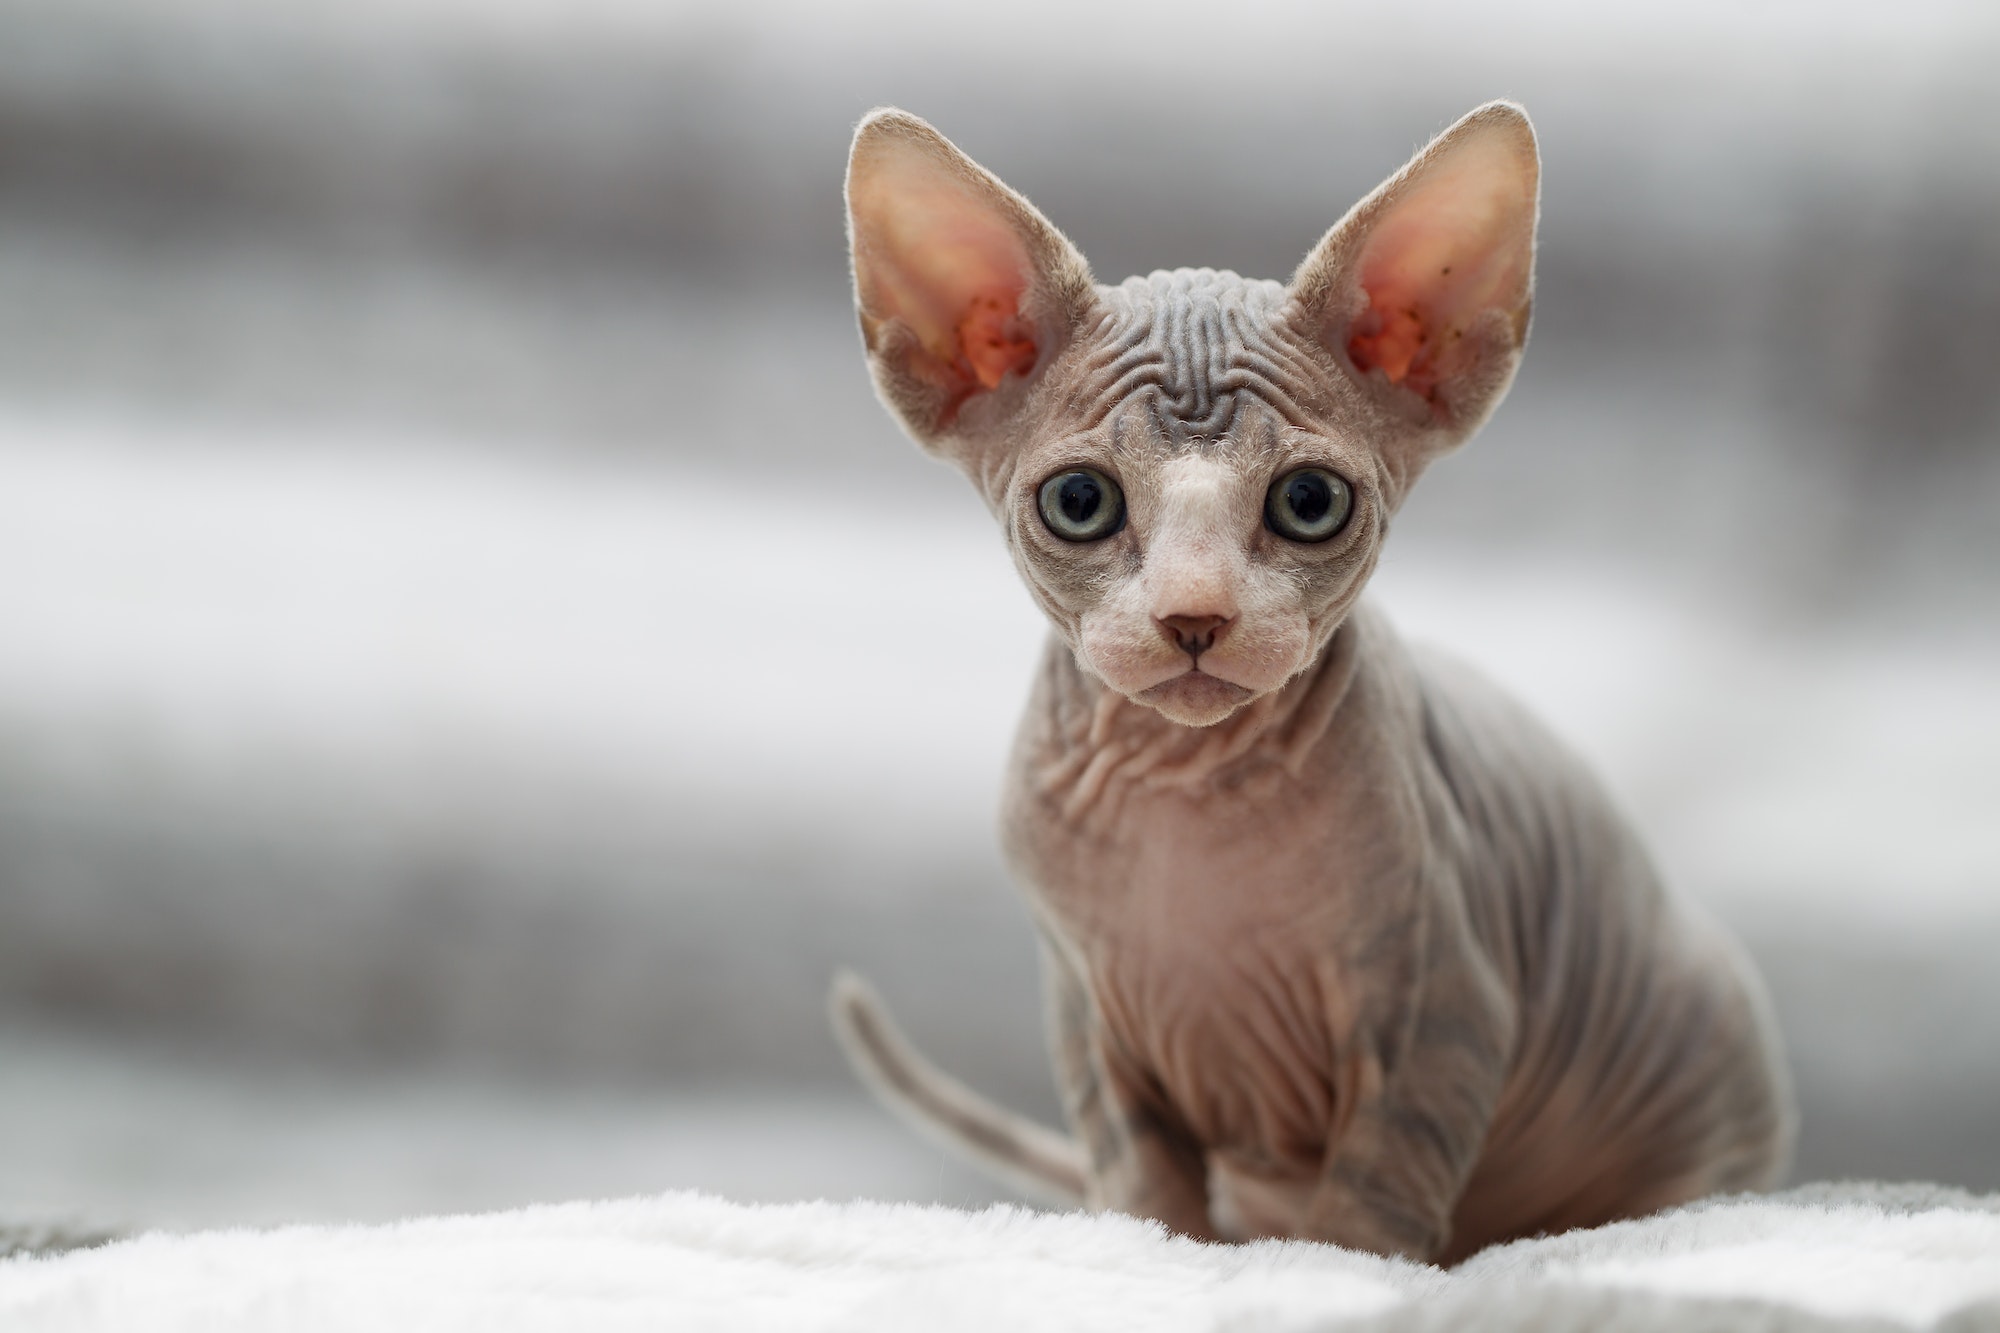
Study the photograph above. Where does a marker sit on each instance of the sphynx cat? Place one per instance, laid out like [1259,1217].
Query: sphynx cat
[1339,943]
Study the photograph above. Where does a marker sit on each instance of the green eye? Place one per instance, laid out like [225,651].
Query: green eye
[1308,505]
[1082,505]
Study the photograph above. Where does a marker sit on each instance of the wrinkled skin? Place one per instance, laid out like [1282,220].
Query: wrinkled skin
[1339,943]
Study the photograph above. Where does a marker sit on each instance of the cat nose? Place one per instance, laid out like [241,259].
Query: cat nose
[1194,634]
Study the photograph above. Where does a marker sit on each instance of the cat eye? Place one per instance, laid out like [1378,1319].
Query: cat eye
[1308,505]
[1082,505]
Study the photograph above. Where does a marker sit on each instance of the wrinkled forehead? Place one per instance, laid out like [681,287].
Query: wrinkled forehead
[1199,355]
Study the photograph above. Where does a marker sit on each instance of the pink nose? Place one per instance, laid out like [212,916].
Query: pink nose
[1195,635]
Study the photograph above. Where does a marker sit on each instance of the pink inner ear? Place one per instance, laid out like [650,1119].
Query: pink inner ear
[992,339]
[949,265]
[1439,259]
[1388,338]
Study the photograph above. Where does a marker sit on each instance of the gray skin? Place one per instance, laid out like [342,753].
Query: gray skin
[1339,943]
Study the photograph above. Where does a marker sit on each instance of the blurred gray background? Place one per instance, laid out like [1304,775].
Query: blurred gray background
[474,657]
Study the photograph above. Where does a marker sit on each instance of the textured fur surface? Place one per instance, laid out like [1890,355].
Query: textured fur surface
[1835,1258]
[1339,943]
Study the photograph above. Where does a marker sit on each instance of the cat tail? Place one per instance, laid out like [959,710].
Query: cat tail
[20,1237]
[1035,1159]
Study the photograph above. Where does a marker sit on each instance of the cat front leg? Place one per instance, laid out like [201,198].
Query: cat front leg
[1417,1103]
[1393,1183]
[1144,1161]
[1142,1158]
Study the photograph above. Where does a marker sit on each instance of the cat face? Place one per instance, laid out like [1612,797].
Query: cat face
[1217,528]
[1194,470]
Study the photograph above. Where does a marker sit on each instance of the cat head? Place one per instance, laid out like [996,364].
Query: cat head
[1194,470]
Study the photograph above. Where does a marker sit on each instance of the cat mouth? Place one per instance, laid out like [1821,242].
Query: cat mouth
[1195,697]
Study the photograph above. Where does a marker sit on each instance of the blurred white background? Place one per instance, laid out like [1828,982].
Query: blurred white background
[474,657]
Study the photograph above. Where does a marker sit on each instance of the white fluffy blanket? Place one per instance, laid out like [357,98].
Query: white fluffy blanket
[1827,1257]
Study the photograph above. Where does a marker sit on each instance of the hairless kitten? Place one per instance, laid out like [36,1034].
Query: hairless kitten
[1339,943]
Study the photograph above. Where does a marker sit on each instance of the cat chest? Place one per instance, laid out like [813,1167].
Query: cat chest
[1212,932]
[1232,931]
[1256,880]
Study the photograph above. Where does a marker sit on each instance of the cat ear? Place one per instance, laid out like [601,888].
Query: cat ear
[1422,291]
[965,291]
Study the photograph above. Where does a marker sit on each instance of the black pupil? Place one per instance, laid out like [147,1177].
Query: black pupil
[1309,497]
[1079,497]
